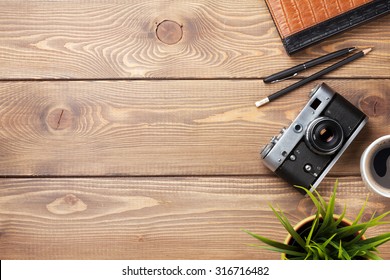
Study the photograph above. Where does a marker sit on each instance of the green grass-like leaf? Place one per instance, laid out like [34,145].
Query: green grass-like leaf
[328,237]
[290,229]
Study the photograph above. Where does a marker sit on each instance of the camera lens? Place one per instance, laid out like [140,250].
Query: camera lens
[324,136]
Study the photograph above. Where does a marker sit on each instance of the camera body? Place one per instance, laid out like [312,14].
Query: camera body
[303,153]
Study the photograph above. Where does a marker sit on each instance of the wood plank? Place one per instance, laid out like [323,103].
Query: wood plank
[133,128]
[158,218]
[117,39]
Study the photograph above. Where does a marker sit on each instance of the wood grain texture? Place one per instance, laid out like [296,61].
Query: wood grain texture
[117,39]
[143,128]
[157,218]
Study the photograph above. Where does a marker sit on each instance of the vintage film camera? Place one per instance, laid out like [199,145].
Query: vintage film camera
[304,153]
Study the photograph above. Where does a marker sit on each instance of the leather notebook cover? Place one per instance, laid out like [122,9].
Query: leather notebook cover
[301,23]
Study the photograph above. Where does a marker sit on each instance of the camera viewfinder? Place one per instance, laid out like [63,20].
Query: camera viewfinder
[315,103]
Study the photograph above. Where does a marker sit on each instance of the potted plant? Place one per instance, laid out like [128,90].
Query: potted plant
[326,235]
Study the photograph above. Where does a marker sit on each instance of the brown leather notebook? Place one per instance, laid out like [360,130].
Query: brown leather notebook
[304,22]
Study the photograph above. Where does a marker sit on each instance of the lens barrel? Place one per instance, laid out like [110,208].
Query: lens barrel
[324,136]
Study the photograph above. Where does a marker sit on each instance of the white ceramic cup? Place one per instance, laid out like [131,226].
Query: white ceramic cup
[375,166]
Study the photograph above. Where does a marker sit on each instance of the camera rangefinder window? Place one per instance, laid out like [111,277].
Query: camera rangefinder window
[324,136]
[315,103]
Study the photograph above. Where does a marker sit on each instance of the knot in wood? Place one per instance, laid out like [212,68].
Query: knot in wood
[373,106]
[59,119]
[169,32]
[68,204]
[71,199]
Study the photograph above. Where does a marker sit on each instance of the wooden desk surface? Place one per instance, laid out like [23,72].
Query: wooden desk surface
[129,131]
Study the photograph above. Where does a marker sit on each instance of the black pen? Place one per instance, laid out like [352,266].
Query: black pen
[312,77]
[293,71]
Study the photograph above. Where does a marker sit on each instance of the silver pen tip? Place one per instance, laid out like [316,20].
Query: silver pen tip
[352,49]
[262,102]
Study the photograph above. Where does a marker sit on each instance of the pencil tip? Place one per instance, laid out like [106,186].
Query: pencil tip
[366,51]
[262,102]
